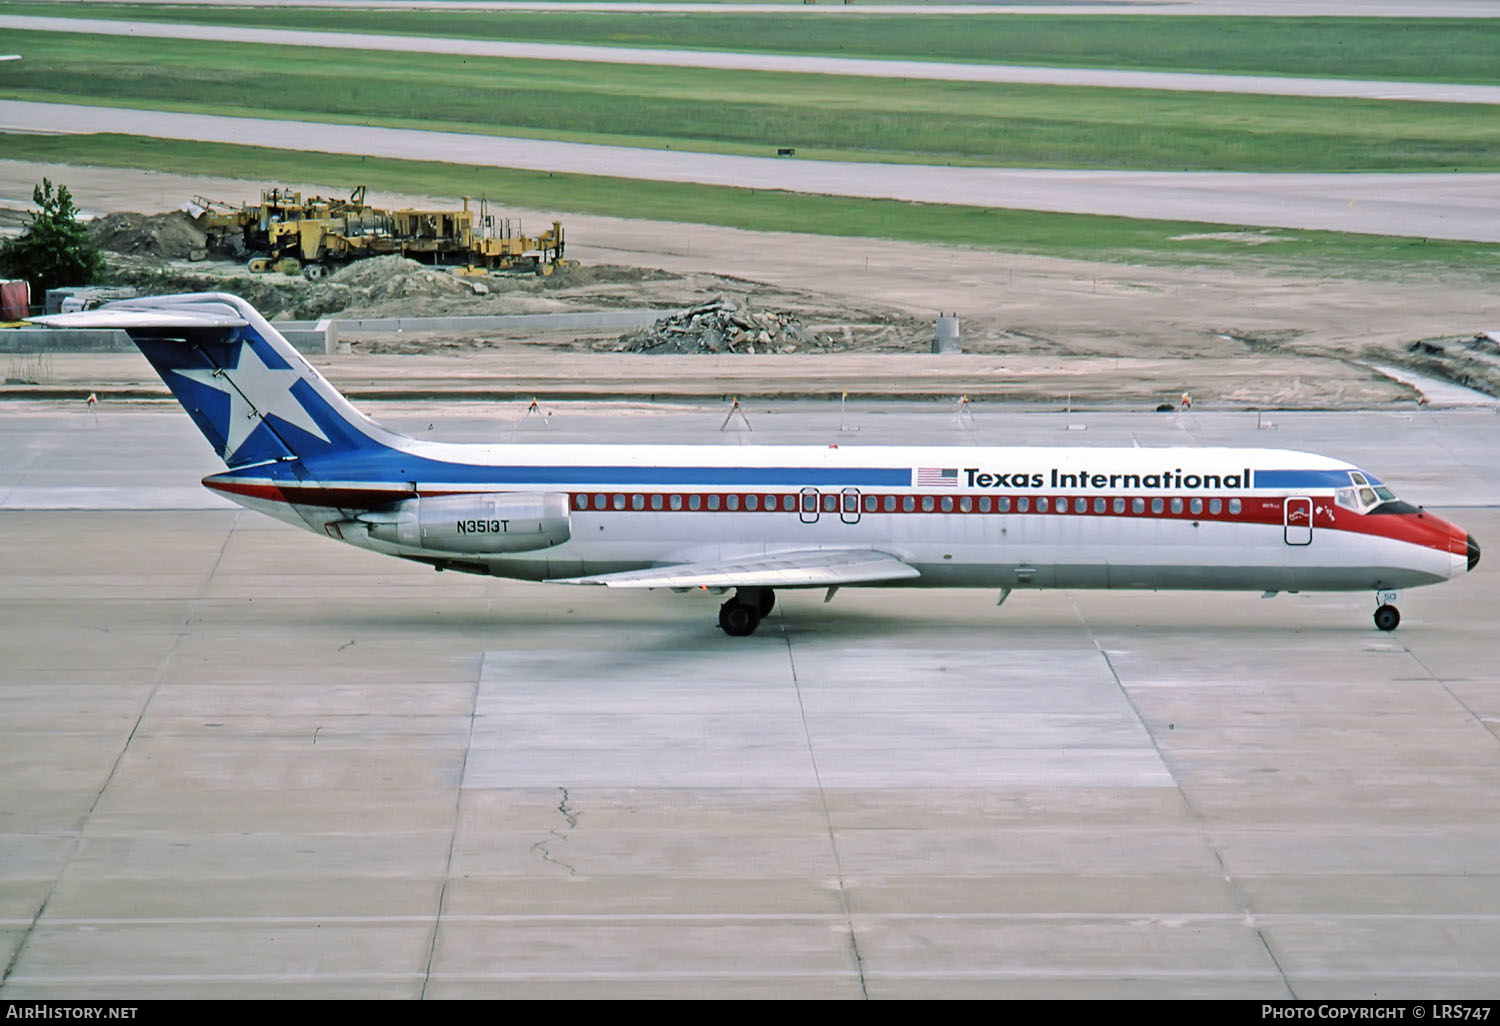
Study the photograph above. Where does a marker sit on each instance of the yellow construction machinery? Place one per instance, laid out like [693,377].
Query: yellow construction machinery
[321,235]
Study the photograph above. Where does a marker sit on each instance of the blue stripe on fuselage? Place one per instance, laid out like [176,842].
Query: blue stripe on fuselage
[1305,479]
[394,467]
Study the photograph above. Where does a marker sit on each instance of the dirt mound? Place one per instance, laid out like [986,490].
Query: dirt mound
[172,236]
[395,277]
[571,274]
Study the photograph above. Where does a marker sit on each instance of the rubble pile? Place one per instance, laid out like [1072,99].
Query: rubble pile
[723,326]
[173,236]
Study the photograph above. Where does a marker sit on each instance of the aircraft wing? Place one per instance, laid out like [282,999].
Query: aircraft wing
[813,568]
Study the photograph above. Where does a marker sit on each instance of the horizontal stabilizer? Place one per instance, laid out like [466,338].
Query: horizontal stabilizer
[813,568]
[207,315]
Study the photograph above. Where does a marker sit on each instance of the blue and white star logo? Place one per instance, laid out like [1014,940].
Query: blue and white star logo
[256,391]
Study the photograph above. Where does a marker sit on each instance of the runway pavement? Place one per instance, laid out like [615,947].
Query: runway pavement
[723,60]
[240,760]
[1439,206]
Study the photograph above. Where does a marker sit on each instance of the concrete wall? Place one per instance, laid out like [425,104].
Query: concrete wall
[580,320]
[322,336]
[87,340]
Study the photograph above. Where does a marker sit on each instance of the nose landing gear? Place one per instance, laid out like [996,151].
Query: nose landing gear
[1387,616]
[742,614]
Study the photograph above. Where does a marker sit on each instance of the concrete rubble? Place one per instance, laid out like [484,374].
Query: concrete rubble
[725,326]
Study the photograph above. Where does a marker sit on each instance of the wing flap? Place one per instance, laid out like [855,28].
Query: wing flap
[806,569]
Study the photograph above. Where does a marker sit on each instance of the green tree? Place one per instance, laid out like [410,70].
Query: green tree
[54,250]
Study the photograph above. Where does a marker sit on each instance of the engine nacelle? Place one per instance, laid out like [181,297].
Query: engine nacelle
[482,524]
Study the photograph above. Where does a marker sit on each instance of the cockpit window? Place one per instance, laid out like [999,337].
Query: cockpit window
[1365,495]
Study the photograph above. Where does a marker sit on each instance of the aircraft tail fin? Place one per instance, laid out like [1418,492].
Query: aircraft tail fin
[254,397]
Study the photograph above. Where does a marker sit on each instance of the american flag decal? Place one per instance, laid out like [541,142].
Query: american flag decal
[937,477]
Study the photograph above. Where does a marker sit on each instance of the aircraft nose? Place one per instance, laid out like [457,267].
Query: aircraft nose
[1473,552]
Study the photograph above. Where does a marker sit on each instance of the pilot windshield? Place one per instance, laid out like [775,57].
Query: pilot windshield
[1364,495]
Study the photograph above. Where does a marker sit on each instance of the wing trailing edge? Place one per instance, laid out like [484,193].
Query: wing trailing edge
[812,568]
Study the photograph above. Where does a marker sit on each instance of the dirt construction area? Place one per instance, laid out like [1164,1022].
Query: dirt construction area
[855,314]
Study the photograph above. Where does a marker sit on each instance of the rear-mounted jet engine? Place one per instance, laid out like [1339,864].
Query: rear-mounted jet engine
[481,524]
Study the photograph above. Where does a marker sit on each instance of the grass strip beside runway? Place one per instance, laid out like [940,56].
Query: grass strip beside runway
[756,113]
[1408,49]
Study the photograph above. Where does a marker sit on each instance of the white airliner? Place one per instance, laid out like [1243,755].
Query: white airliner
[757,518]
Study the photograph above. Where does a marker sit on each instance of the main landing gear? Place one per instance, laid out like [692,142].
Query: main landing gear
[1387,616]
[742,614]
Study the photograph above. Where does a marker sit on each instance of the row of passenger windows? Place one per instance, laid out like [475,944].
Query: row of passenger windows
[852,502]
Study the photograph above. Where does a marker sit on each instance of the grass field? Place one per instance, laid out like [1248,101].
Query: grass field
[822,116]
[1426,49]
[1124,240]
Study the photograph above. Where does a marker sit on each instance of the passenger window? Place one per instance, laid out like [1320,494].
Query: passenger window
[926,504]
[1098,505]
[619,501]
[1176,505]
[1022,504]
[637,501]
[694,501]
[1119,505]
[675,502]
[1234,505]
[908,503]
[731,502]
[656,502]
[984,504]
[1156,505]
[965,504]
[890,504]
[1080,505]
[1196,506]
[1041,503]
[601,502]
[1002,504]
[752,502]
[947,504]
[871,503]
[830,504]
[1215,505]
[1137,505]
[713,502]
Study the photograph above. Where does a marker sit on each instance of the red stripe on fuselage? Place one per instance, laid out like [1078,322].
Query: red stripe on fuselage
[1422,528]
